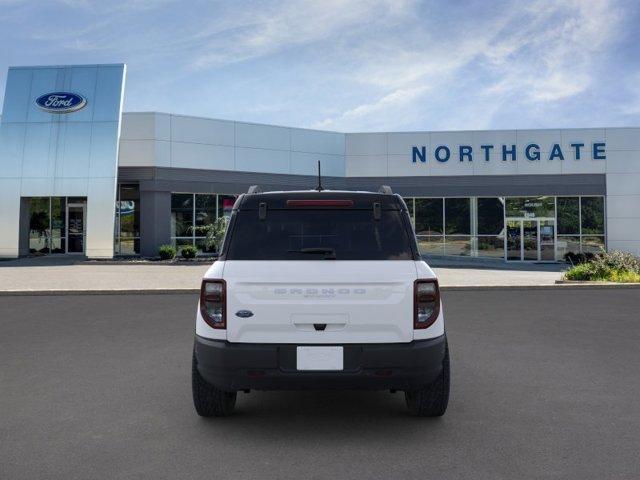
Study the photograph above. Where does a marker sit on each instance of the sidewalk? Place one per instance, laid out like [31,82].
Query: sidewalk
[46,274]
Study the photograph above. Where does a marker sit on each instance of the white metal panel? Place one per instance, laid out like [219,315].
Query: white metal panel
[9,216]
[366,165]
[495,165]
[623,139]
[315,141]
[623,184]
[403,166]
[263,136]
[262,160]
[307,164]
[101,198]
[623,206]
[202,130]
[400,143]
[366,144]
[623,229]
[544,138]
[138,126]
[138,153]
[622,161]
[198,155]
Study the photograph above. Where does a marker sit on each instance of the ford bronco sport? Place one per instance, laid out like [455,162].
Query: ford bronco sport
[320,290]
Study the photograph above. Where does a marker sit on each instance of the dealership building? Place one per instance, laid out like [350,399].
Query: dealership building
[79,176]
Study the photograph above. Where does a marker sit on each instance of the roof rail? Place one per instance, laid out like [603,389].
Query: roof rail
[254,189]
[385,189]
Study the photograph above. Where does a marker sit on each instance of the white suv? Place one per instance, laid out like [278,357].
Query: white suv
[320,290]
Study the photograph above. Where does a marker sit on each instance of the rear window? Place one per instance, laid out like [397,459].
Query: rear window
[319,234]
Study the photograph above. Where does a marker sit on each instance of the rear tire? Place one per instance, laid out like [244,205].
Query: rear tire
[209,400]
[432,400]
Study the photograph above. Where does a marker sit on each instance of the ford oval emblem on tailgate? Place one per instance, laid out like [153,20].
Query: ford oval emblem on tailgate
[244,313]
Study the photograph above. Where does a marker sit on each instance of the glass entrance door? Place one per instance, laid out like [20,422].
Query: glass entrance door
[530,239]
[75,227]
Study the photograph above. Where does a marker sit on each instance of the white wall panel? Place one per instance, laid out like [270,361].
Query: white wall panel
[103,146]
[202,130]
[198,155]
[399,143]
[9,216]
[101,198]
[623,139]
[139,126]
[138,153]
[366,165]
[366,144]
[314,141]
[622,161]
[262,136]
[261,160]
[307,164]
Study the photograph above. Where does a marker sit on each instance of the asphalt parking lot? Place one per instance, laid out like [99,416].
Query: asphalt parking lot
[545,384]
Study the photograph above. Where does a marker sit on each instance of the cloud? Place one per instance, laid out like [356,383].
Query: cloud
[540,54]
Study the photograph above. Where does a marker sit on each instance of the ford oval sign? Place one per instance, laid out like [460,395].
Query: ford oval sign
[61,102]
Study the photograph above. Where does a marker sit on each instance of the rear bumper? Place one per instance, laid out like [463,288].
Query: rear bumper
[242,366]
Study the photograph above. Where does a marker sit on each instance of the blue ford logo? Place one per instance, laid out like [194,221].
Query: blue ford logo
[61,102]
[244,313]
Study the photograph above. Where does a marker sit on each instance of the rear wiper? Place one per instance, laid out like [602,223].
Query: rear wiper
[330,253]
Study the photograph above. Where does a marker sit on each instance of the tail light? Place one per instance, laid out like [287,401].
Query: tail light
[213,303]
[426,303]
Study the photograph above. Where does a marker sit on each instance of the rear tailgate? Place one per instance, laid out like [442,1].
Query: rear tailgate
[320,302]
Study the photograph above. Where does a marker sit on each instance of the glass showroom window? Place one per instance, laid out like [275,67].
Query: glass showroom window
[457,221]
[429,225]
[592,224]
[490,227]
[127,231]
[192,210]
[581,225]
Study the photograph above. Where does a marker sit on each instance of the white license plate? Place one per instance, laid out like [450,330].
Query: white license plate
[320,358]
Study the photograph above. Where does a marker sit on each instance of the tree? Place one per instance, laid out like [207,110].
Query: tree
[214,233]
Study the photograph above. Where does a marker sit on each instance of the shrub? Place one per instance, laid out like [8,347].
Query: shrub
[166,252]
[614,266]
[578,258]
[189,251]
[582,271]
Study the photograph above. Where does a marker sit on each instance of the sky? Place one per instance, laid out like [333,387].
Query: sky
[351,65]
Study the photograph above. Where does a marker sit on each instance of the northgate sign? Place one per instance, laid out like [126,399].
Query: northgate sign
[532,152]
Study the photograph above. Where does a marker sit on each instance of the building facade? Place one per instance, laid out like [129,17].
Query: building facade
[80,176]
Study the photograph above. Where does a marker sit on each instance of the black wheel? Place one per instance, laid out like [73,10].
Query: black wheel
[209,400]
[432,400]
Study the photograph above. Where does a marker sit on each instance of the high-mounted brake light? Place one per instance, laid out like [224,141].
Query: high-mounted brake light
[320,203]
[213,303]
[426,303]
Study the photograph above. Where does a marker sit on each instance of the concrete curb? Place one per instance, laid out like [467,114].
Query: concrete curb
[194,291]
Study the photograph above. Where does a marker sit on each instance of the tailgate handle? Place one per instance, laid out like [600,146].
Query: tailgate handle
[319,326]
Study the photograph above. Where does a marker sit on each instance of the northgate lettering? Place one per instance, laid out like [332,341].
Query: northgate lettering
[531,152]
